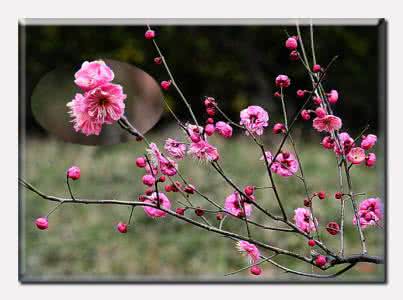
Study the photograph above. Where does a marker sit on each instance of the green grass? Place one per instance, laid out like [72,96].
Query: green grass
[82,242]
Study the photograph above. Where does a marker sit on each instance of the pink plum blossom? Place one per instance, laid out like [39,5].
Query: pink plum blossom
[82,120]
[249,250]
[235,205]
[369,141]
[155,212]
[223,129]
[254,118]
[204,151]
[166,165]
[175,149]
[370,212]
[105,103]
[93,74]
[285,165]
[328,142]
[194,132]
[356,155]
[328,123]
[303,220]
[346,143]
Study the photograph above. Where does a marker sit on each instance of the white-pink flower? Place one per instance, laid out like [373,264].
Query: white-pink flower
[254,118]
[204,151]
[223,129]
[356,155]
[155,212]
[370,212]
[93,74]
[175,149]
[328,123]
[250,250]
[303,220]
[236,206]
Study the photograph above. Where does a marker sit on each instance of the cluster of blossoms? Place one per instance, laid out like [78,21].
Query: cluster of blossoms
[370,212]
[253,255]
[102,101]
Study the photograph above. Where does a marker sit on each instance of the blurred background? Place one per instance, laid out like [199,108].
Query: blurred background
[235,64]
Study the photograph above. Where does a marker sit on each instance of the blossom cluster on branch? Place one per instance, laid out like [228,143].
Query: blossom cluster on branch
[102,102]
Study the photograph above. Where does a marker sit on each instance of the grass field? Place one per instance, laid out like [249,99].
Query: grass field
[82,242]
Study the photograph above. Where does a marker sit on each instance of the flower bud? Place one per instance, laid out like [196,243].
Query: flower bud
[209,129]
[320,112]
[300,94]
[180,211]
[199,211]
[249,190]
[320,261]
[291,43]
[305,115]
[122,227]
[141,162]
[333,228]
[321,195]
[73,173]
[278,128]
[311,243]
[294,55]
[316,68]
[148,180]
[165,84]
[255,270]
[42,223]
[370,160]
[150,34]
[158,60]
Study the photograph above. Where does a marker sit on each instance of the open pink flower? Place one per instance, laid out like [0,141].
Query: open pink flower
[105,103]
[285,165]
[356,155]
[328,123]
[250,250]
[235,205]
[204,151]
[303,220]
[223,129]
[155,212]
[166,165]
[175,149]
[369,141]
[254,118]
[346,143]
[370,212]
[93,74]
[82,120]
